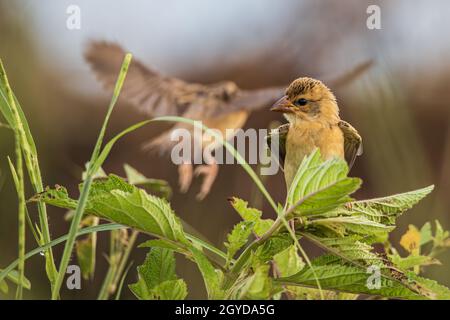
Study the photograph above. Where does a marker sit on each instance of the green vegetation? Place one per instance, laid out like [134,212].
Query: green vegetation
[261,259]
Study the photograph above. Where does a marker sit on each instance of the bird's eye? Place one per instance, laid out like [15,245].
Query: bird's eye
[301,102]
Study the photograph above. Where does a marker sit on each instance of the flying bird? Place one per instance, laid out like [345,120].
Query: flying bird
[219,106]
[313,122]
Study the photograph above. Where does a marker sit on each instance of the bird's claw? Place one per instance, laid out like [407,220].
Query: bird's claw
[210,173]
[185,173]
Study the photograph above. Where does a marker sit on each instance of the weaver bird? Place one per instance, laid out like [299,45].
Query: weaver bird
[219,106]
[313,115]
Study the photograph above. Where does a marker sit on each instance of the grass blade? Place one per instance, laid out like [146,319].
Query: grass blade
[103,227]
[13,113]
[87,183]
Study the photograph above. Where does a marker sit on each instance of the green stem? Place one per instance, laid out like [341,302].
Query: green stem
[125,257]
[21,219]
[18,130]
[92,168]
[38,250]
[16,119]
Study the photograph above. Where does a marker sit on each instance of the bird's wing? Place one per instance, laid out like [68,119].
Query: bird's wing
[279,133]
[157,95]
[151,92]
[352,142]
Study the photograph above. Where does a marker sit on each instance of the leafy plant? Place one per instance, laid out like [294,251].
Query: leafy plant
[262,258]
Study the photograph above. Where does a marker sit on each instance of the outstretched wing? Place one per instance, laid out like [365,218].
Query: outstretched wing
[352,142]
[157,95]
[280,134]
[150,92]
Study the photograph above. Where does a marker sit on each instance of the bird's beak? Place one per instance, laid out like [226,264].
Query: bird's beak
[283,105]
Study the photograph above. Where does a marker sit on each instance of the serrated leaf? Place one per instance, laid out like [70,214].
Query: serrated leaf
[321,186]
[348,279]
[383,210]
[430,288]
[160,187]
[345,225]
[157,275]
[271,247]
[252,215]
[348,248]
[211,277]
[116,200]
[171,290]
[238,237]
[260,284]
[288,262]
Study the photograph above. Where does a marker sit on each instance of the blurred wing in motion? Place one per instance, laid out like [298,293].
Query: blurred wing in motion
[352,142]
[158,95]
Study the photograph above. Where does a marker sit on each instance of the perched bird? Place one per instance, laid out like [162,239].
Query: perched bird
[313,115]
[219,106]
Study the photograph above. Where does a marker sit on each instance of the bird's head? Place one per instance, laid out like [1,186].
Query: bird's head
[308,99]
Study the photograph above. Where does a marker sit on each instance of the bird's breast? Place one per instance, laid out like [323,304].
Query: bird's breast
[305,138]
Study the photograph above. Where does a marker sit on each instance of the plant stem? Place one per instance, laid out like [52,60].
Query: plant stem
[125,257]
[16,119]
[92,169]
[88,230]
[72,236]
[21,220]
[20,191]
[116,270]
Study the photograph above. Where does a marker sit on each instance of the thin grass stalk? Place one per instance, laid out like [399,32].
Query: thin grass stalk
[40,249]
[92,169]
[20,187]
[16,119]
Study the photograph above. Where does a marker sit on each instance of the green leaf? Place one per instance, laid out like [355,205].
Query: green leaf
[160,187]
[425,234]
[320,186]
[430,288]
[104,227]
[412,261]
[211,277]
[348,279]
[347,225]
[383,210]
[171,290]
[157,278]
[251,214]
[4,287]
[260,284]
[288,262]
[238,238]
[116,200]
[160,243]
[348,248]
[13,276]
[271,247]
[86,249]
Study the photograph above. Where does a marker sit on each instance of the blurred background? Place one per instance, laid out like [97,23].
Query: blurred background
[401,106]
